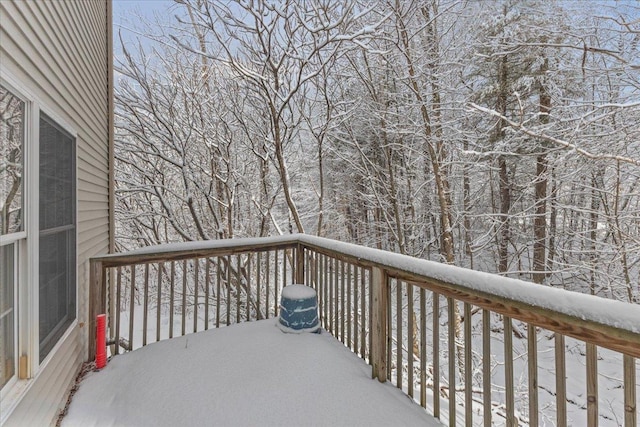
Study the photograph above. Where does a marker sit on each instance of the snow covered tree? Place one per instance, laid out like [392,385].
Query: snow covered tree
[276,50]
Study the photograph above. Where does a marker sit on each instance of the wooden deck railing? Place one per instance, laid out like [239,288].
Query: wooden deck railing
[468,346]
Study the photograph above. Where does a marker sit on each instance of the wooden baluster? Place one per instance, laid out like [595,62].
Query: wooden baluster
[276,285]
[336,283]
[468,366]
[321,291]
[196,272]
[532,362]
[356,317]
[349,310]
[342,301]
[561,382]
[248,288]
[132,305]
[184,298]
[309,272]
[630,402]
[159,300]
[285,280]
[508,372]
[390,307]
[238,286]
[258,286]
[117,305]
[207,284]
[172,297]
[228,290]
[267,291]
[332,298]
[423,348]
[308,269]
[436,355]
[363,315]
[592,385]
[218,289]
[398,334]
[410,342]
[486,367]
[451,332]
[323,280]
[145,305]
[370,308]
[299,266]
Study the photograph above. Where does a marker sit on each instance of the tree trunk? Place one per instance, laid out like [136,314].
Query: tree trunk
[540,219]
[505,223]
[503,173]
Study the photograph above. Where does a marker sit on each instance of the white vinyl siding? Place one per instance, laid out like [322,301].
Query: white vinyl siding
[58,52]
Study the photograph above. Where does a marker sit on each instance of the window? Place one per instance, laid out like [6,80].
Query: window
[12,118]
[57,233]
[37,235]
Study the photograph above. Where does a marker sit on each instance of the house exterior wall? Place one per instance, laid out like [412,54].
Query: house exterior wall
[61,52]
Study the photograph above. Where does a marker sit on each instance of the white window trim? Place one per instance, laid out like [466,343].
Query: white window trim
[15,389]
[8,239]
[16,278]
[36,255]
[28,245]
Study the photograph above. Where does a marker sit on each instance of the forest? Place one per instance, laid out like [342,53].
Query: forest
[501,136]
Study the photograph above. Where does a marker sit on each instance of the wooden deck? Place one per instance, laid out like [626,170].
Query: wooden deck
[421,325]
[246,374]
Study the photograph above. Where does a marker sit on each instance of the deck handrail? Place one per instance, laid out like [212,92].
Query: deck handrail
[512,297]
[604,322]
[200,248]
[596,321]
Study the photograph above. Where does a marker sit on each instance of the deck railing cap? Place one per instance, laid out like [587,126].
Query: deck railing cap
[200,245]
[588,308]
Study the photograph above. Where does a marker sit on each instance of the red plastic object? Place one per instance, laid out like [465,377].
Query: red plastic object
[101,341]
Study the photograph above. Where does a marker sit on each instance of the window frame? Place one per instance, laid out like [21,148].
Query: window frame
[19,240]
[26,290]
[14,377]
[58,332]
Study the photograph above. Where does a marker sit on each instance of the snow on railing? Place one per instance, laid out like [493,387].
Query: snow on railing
[494,349]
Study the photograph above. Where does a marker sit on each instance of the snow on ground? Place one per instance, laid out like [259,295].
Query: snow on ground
[246,374]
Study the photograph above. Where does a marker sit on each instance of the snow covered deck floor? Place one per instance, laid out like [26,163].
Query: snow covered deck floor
[248,374]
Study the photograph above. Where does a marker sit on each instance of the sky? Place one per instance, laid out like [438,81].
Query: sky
[127,14]
[124,9]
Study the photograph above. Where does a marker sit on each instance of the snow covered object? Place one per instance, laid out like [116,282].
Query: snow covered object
[298,309]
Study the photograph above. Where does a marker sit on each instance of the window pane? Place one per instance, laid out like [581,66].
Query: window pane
[57,176]
[11,161]
[57,289]
[7,314]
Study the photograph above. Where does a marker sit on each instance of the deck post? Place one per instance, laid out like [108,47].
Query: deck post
[97,302]
[299,260]
[379,314]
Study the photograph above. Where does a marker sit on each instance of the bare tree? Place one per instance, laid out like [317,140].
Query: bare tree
[277,51]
